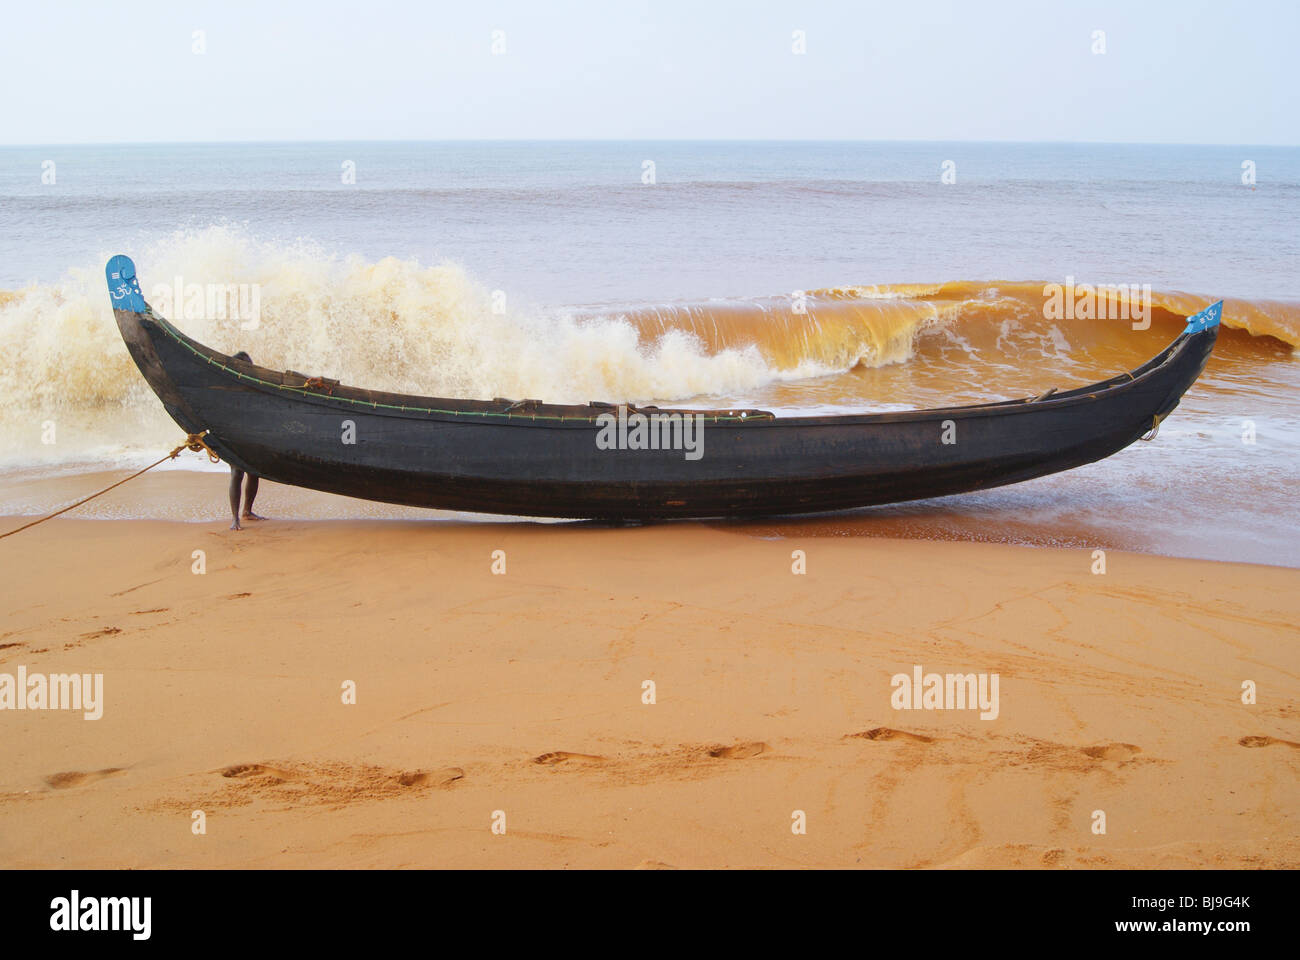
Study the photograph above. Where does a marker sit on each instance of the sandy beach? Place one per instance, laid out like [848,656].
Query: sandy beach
[517,698]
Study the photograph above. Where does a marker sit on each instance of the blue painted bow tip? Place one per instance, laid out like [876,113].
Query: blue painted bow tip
[1207,318]
[124,285]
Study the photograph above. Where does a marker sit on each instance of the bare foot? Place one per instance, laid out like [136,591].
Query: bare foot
[252,516]
[235,525]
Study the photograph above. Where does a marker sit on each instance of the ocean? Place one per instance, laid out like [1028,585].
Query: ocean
[792,276]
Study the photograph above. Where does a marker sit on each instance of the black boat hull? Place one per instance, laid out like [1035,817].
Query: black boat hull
[545,460]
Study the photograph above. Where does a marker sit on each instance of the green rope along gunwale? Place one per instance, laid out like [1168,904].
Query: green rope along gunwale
[376,405]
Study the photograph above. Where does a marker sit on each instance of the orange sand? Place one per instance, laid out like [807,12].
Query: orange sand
[522,693]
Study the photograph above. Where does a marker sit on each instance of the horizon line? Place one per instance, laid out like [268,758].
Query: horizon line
[548,140]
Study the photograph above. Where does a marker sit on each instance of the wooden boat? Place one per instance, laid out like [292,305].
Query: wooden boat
[531,458]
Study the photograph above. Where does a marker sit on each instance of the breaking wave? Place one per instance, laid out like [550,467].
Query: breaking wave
[432,329]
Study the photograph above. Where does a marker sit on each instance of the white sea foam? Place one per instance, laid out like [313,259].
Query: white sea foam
[391,324]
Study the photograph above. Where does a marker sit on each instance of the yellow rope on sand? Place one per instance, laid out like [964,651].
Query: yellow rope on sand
[193,441]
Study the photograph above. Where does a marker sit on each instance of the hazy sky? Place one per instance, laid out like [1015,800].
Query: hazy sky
[1176,71]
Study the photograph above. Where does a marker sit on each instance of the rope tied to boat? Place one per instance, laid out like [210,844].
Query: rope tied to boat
[1155,429]
[193,441]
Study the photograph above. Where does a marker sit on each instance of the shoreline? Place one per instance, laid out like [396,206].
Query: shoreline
[523,692]
[1035,513]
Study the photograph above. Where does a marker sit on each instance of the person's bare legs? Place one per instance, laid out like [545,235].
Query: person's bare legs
[236,478]
[250,493]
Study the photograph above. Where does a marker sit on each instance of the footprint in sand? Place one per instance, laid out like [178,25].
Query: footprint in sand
[436,778]
[654,865]
[739,751]
[121,593]
[1112,751]
[75,778]
[243,771]
[1264,741]
[889,733]
[104,632]
[561,756]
